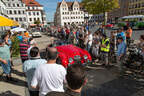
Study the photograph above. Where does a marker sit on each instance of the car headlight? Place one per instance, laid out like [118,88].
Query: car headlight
[85,57]
[77,57]
[70,60]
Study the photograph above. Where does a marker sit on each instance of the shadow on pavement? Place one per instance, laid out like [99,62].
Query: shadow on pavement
[15,81]
[8,93]
[21,74]
[115,87]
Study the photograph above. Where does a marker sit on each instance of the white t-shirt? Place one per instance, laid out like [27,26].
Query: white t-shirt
[90,38]
[49,77]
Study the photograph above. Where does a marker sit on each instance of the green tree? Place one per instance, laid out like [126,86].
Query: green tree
[100,6]
[37,22]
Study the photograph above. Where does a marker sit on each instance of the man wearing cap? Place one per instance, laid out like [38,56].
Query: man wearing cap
[105,48]
[5,59]
[121,52]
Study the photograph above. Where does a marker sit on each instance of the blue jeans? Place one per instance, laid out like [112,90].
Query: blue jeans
[6,67]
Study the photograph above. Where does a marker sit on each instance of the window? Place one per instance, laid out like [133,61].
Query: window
[23,12]
[20,19]
[19,12]
[30,19]
[30,13]
[63,13]
[34,13]
[37,13]
[34,19]
[9,5]
[16,19]
[38,19]
[13,5]
[10,12]
[15,12]
[24,19]
[17,5]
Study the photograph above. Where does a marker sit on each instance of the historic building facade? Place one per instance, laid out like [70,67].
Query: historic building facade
[136,7]
[16,10]
[68,13]
[35,12]
[3,11]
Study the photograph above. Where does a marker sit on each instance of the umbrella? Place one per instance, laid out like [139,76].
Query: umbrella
[7,22]
[18,29]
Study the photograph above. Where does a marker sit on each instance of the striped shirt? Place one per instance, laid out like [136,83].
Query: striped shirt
[23,50]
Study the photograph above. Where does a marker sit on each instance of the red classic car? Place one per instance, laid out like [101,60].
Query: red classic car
[70,54]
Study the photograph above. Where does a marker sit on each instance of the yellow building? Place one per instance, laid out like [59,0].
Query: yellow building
[136,7]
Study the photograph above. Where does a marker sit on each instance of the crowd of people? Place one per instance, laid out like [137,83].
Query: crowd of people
[47,78]
[103,48]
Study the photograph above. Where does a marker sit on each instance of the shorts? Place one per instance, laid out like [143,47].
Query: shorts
[6,67]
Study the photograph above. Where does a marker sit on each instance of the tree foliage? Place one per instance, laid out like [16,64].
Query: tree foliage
[37,22]
[100,6]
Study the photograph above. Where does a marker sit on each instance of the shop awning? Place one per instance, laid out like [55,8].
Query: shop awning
[7,22]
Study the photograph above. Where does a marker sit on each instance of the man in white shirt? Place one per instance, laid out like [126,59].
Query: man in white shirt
[90,39]
[30,66]
[51,76]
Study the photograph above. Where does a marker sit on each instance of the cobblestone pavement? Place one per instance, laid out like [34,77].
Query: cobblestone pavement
[101,81]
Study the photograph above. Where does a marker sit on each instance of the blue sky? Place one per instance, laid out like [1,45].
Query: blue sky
[50,7]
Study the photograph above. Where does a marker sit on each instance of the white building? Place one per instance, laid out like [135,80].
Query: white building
[97,18]
[68,13]
[16,10]
[35,12]
[74,12]
[3,11]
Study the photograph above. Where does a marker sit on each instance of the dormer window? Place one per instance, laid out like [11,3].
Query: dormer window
[31,3]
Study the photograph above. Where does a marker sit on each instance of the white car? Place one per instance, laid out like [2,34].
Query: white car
[36,34]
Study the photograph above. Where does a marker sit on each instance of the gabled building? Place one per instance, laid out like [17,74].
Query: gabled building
[68,13]
[35,12]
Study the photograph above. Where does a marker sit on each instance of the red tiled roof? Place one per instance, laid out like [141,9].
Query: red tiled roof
[31,3]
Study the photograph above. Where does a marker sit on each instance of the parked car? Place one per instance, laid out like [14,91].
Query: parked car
[109,25]
[36,34]
[70,54]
